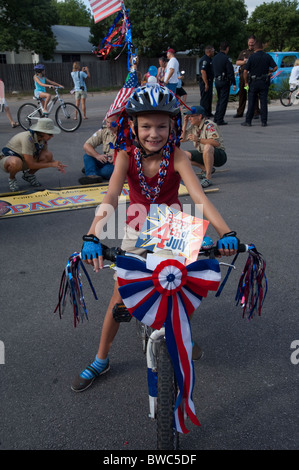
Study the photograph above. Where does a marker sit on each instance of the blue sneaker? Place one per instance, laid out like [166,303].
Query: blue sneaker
[80,384]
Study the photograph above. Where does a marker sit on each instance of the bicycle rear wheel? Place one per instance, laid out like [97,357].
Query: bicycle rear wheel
[28,114]
[167,436]
[286,98]
[65,117]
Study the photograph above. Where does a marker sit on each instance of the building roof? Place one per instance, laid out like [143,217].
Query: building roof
[72,38]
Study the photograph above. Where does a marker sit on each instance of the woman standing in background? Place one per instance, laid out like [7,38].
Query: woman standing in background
[80,88]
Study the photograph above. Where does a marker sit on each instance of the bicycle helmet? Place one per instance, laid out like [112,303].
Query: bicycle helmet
[152,99]
[39,67]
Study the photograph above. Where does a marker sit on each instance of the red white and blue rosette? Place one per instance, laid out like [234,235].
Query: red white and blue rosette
[168,295]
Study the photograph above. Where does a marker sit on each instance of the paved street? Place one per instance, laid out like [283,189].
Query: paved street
[246,390]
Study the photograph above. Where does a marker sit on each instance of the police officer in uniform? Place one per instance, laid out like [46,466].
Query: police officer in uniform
[241,61]
[258,66]
[206,78]
[224,77]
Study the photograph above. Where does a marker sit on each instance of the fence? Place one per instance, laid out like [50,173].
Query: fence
[103,74]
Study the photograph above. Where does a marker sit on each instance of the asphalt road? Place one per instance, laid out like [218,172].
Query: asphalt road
[246,391]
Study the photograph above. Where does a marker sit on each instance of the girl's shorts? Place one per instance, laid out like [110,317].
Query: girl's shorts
[129,242]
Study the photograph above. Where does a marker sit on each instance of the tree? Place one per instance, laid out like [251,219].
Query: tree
[27,24]
[276,24]
[186,24]
[72,13]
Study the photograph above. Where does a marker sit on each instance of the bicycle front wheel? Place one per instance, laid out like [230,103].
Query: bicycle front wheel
[28,114]
[167,436]
[286,98]
[68,117]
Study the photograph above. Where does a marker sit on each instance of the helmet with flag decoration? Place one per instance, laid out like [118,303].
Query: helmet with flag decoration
[152,99]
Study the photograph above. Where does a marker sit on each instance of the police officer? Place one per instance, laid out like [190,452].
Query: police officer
[206,78]
[241,61]
[224,76]
[258,66]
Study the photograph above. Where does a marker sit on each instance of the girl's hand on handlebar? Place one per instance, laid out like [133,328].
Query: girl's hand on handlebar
[228,244]
[91,252]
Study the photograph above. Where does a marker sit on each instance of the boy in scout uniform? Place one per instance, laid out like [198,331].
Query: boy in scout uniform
[99,166]
[209,147]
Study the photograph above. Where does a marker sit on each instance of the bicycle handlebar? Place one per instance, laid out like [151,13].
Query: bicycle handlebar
[110,254]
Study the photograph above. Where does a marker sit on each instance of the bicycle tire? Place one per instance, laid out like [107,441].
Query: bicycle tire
[24,111]
[167,436]
[286,98]
[65,117]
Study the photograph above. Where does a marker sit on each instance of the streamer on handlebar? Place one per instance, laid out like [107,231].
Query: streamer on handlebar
[252,286]
[71,285]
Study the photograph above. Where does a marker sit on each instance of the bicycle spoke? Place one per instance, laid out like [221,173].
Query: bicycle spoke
[68,117]
[28,114]
[286,98]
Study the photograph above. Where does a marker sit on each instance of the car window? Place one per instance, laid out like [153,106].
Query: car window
[288,61]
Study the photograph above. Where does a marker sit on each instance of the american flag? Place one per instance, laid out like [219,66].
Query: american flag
[170,293]
[123,95]
[103,8]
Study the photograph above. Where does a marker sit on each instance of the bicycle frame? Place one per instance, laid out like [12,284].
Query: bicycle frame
[151,358]
[51,103]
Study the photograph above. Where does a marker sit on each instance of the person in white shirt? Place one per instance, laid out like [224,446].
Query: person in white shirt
[294,77]
[172,71]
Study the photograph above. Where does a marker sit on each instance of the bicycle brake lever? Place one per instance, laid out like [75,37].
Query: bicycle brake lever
[229,265]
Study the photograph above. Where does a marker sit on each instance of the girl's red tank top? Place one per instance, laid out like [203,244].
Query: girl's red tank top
[139,204]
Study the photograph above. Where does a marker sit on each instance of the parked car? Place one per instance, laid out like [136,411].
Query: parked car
[284,60]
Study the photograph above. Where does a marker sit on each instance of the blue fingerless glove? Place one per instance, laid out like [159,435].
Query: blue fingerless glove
[91,247]
[229,241]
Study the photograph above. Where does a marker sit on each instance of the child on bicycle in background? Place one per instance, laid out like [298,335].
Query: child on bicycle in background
[294,77]
[41,83]
[153,169]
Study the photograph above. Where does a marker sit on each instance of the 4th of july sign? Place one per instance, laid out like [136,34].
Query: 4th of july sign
[166,228]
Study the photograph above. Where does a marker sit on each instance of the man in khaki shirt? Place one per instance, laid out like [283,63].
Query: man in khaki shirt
[28,152]
[209,146]
[99,166]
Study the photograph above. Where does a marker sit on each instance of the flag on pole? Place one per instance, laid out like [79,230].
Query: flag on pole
[103,8]
[123,95]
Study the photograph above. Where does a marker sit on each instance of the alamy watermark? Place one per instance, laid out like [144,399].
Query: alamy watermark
[2,353]
[295,353]
[110,229]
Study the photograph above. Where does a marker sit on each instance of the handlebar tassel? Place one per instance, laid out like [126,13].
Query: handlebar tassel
[253,286]
[71,286]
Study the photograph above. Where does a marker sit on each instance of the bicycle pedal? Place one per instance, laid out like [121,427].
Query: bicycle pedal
[121,313]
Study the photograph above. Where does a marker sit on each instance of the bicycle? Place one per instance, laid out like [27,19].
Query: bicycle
[290,97]
[67,116]
[162,378]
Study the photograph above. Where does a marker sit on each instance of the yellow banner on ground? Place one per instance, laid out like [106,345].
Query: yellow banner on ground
[65,199]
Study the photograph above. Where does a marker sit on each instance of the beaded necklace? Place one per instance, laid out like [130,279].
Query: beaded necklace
[150,192]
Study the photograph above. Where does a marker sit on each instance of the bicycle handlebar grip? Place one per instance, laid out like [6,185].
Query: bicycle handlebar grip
[242,248]
[111,254]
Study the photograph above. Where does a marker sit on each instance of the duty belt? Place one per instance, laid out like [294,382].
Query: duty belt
[220,78]
[262,77]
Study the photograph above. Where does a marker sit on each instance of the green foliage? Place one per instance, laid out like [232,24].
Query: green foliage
[27,24]
[276,24]
[186,25]
[72,13]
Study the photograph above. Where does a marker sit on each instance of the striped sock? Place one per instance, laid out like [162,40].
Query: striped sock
[98,364]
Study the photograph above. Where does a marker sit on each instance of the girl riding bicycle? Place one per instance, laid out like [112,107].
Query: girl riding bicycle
[153,168]
[41,83]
